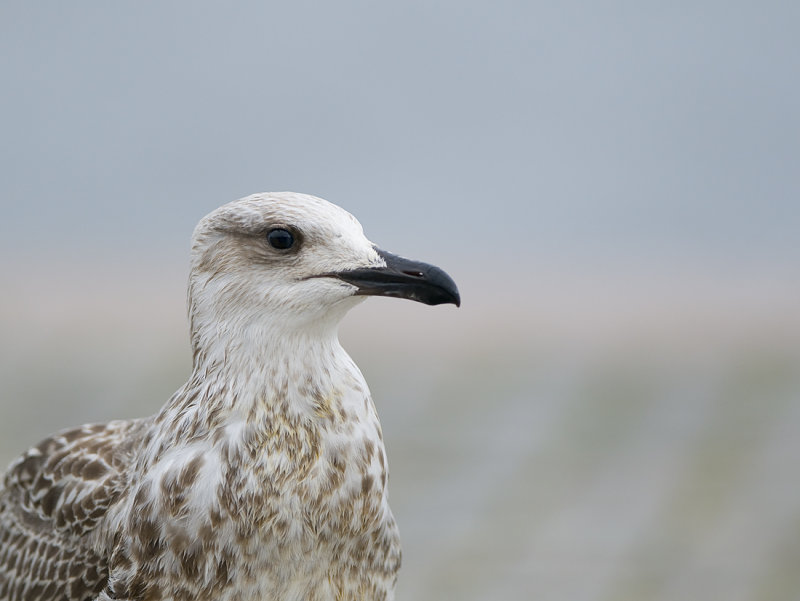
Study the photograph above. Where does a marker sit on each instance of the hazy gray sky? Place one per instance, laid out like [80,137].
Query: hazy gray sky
[460,129]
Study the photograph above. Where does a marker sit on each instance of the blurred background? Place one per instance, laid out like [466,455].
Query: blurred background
[613,413]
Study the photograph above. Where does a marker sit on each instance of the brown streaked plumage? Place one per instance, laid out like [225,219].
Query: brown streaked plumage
[264,476]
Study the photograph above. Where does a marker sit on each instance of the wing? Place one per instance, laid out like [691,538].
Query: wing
[52,499]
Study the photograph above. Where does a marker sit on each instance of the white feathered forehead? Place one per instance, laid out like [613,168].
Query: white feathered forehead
[274,209]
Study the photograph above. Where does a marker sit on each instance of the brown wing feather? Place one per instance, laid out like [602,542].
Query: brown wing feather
[52,499]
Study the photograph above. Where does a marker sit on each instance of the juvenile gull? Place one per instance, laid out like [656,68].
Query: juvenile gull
[264,476]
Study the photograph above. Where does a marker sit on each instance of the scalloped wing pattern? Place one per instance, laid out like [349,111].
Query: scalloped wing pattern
[52,500]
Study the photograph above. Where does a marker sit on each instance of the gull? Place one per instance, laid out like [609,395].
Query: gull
[264,477]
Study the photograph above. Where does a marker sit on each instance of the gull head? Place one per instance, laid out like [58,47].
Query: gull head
[285,262]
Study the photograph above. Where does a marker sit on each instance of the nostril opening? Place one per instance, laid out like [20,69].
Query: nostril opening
[414,274]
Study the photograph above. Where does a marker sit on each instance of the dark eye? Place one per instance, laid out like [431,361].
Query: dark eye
[280,239]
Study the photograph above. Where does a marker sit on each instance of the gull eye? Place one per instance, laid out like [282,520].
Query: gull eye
[280,239]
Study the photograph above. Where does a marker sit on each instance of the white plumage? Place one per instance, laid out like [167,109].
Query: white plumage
[264,476]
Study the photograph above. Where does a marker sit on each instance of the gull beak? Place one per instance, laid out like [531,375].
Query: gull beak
[403,278]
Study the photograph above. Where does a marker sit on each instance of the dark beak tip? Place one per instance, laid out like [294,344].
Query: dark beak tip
[446,289]
[441,300]
[449,294]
